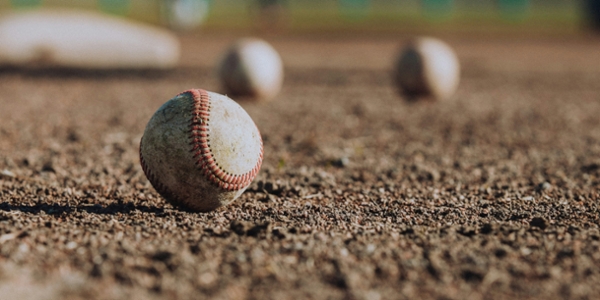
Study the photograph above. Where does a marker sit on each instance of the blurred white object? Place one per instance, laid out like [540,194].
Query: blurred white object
[84,40]
[186,14]
[251,67]
[427,68]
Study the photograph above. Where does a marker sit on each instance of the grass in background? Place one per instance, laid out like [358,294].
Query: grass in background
[310,16]
[358,16]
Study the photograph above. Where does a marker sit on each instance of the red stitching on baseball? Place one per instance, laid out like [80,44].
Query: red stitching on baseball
[200,142]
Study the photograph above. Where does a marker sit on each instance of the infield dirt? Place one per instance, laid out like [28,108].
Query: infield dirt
[362,195]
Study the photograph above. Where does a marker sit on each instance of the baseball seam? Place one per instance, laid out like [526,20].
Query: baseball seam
[199,135]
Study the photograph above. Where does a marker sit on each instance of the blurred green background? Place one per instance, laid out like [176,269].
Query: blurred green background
[550,16]
[408,15]
[469,16]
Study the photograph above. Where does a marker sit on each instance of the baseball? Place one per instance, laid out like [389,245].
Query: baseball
[427,68]
[80,39]
[251,67]
[201,150]
[185,14]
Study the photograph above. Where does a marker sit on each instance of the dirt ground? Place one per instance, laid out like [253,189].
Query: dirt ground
[362,195]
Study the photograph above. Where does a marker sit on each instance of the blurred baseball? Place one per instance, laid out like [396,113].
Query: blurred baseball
[251,67]
[185,14]
[201,150]
[79,39]
[427,68]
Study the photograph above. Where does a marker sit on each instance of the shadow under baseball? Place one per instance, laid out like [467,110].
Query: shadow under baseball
[59,209]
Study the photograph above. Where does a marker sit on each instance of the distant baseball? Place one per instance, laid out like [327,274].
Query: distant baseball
[82,39]
[251,68]
[427,68]
[185,14]
[201,150]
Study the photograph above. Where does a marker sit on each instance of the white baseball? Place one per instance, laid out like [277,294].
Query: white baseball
[427,67]
[251,67]
[201,150]
[71,38]
[185,14]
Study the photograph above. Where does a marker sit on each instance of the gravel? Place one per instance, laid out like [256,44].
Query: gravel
[362,195]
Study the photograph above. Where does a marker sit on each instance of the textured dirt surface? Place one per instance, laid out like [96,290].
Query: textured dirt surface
[492,194]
